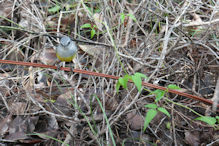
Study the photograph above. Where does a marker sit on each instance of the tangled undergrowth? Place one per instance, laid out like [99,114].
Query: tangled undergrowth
[168,43]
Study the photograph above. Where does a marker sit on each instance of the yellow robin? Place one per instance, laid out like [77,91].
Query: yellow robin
[66,50]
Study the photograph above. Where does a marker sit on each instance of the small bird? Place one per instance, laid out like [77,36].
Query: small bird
[66,50]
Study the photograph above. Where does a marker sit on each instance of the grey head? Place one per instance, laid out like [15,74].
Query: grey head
[65,41]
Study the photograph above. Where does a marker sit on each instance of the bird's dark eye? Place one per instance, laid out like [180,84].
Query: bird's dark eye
[68,43]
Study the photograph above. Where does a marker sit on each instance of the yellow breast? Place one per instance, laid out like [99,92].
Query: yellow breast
[65,59]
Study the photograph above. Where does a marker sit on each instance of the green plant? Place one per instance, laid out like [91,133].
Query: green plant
[159,94]
[168,125]
[93,127]
[91,27]
[209,120]
[136,78]
[54,9]
[122,17]
[152,112]
[107,121]
[49,100]
[74,103]
[61,5]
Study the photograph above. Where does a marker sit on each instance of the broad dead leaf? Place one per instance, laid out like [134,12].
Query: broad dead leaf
[48,56]
[18,108]
[62,104]
[20,127]
[4,124]
[135,120]
[92,50]
[192,138]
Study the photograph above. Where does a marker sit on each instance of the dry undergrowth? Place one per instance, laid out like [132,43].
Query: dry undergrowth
[172,42]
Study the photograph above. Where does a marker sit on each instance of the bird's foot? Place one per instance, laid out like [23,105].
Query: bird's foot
[58,67]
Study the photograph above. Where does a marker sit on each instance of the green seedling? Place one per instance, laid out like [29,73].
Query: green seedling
[123,16]
[152,112]
[54,9]
[136,78]
[91,27]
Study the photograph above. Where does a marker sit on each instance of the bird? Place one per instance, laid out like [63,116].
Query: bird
[66,49]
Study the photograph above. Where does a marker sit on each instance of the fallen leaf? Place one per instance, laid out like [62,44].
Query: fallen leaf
[48,56]
[4,125]
[62,104]
[92,50]
[135,120]
[17,108]
[192,138]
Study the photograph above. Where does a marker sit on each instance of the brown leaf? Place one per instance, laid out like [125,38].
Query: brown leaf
[20,127]
[17,108]
[48,127]
[4,124]
[92,50]
[62,105]
[135,120]
[48,56]
[192,138]
[16,136]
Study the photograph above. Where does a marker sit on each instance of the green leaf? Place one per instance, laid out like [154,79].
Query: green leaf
[149,117]
[206,119]
[122,17]
[159,94]
[117,86]
[137,81]
[87,25]
[174,87]
[54,9]
[154,106]
[92,33]
[97,10]
[126,79]
[132,17]
[163,110]
[50,100]
[168,125]
[122,82]
[136,78]
[140,75]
